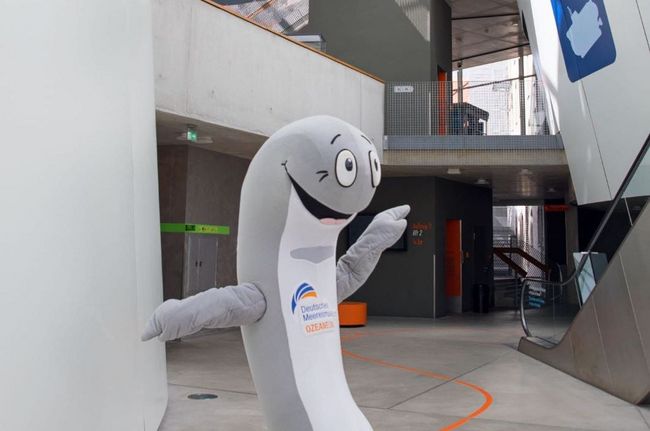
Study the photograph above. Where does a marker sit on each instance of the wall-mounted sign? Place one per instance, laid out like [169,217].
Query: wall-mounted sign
[556,208]
[418,232]
[536,296]
[585,36]
[403,89]
[194,228]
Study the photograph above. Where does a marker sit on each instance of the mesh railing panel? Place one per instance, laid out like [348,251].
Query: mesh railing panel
[277,15]
[447,108]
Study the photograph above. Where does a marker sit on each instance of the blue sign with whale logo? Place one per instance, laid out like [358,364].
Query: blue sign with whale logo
[585,36]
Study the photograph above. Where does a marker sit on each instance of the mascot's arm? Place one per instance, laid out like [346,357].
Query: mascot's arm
[354,268]
[215,308]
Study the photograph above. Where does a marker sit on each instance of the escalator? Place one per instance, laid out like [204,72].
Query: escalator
[595,325]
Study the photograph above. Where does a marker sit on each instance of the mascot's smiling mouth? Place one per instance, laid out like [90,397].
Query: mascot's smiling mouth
[322,212]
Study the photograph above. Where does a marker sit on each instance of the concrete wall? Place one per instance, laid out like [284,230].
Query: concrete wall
[80,253]
[218,68]
[403,282]
[198,186]
[397,40]
[603,117]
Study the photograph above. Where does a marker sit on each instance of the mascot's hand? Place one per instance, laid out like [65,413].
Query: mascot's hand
[387,227]
[354,268]
[165,322]
[214,308]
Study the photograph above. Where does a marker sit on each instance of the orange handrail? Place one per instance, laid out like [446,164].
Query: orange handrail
[295,42]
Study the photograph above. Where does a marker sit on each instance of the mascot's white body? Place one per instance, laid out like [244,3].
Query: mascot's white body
[303,187]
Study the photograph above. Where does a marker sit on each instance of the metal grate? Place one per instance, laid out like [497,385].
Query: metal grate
[283,16]
[513,107]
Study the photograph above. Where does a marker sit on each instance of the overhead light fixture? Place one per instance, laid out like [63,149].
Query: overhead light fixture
[453,171]
[551,190]
[525,171]
[482,181]
[192,135]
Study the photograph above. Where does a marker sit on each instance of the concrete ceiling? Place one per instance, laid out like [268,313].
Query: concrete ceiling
[485,31]
[520,183]
[510,184]
[170,127]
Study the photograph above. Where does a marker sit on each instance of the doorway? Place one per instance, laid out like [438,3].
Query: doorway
[454,265]
[201,264]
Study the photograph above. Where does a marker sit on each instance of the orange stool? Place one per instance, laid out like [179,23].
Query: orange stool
[353,313]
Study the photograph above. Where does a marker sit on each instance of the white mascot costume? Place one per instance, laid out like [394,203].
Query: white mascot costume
[306,183]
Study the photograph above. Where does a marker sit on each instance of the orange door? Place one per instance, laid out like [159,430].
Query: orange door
[443,109]
[453,265]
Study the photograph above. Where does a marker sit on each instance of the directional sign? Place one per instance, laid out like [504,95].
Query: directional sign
[585,36]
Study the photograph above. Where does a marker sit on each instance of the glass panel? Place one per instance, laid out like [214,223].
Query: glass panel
[549,308]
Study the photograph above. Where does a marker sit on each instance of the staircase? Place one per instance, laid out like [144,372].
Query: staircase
[513,260]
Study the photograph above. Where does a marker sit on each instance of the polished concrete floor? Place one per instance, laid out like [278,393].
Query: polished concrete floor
[407,374]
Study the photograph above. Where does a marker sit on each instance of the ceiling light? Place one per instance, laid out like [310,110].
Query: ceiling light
[453,171]
[482,181]
[552,190]
[525,171]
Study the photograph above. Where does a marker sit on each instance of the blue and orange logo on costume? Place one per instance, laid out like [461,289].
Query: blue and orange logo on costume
[305,290]
[314,313]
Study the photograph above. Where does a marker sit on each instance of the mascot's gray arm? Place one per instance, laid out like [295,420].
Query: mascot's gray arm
[215,308]
[354,268]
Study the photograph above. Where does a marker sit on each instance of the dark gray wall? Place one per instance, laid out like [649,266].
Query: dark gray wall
[441,37]
[214,183]
[202,187]
[386,37]
[172,187]
[472,205]
[402,284]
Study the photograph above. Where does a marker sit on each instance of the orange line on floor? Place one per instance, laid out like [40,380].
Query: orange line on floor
[486,395]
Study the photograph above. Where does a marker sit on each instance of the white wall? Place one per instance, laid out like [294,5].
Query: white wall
[603,118]
[80,244]
[218,68]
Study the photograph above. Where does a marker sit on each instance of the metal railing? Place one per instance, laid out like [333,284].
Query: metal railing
[284,16]
[629,201]
[512,107]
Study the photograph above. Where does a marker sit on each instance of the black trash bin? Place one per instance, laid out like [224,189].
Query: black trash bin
[481,298]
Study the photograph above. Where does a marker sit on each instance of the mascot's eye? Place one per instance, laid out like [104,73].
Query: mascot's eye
[375,168]
[346,168]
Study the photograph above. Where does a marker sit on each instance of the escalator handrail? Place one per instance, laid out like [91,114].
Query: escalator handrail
[601,227]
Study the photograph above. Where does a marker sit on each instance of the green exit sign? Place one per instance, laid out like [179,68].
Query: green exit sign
[192,135]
